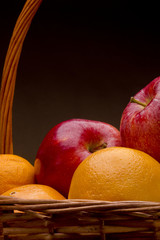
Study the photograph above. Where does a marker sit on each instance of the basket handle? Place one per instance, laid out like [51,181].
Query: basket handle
[10,72]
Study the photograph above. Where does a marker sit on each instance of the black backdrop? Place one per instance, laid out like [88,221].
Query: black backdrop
[79,60]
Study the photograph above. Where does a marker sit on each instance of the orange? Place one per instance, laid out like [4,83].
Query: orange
[14,171]
[117,174]
[34,191]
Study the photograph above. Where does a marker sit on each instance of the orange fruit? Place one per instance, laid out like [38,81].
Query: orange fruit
[34,191]
[14,171]
[117,174]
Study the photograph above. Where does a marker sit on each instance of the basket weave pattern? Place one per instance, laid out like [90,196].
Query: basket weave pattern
[65,219]
[78,219]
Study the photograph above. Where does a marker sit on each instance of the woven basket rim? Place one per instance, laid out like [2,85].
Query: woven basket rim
[78,219]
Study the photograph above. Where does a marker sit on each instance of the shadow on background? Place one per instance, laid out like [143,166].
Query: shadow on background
[78,61]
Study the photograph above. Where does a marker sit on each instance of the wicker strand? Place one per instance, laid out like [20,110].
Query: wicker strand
[10,72]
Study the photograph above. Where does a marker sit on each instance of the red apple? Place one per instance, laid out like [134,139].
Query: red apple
[140,122]
[66,146]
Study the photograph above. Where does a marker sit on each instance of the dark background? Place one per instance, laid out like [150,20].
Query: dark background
[79,60]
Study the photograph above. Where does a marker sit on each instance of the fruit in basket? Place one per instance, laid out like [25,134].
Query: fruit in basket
[140,122]
[117,174]
[34,191]
[14,171]
[66,146]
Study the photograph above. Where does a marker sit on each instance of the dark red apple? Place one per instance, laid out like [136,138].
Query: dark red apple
[140,122]
[66,146]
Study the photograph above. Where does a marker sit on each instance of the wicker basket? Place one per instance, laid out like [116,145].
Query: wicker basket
[65,219]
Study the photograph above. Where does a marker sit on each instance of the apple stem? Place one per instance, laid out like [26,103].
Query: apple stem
[133,100]
[103,145]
